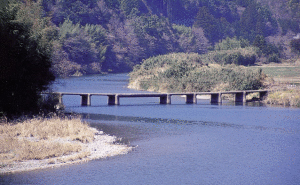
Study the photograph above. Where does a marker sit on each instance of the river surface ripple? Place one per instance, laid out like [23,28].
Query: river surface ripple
[178,143]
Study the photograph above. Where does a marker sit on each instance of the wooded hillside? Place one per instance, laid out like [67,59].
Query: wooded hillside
[96,36]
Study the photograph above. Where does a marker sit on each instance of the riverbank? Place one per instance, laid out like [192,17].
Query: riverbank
[47,143]
[284,98]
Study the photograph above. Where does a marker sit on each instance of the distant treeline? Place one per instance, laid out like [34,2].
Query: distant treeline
[96,36]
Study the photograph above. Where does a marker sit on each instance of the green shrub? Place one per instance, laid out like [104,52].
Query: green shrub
[265,48]
[232,43]
[274,58]
[240,56]
[239,59]
[295,45]
[186,73]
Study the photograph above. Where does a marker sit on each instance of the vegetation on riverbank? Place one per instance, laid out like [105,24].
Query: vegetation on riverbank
[25,64]
[283,73]
[41,138]
[285,98]
[180,72]
[40,142]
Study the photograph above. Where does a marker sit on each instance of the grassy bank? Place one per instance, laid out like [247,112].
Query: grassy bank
[52,141]
[285,98]
[284,73]
[286,79]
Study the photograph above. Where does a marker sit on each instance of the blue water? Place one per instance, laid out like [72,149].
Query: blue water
[178,143]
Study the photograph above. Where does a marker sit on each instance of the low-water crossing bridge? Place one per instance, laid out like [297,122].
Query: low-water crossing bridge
[164,98]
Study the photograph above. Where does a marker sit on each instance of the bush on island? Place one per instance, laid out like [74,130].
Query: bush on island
[181,72]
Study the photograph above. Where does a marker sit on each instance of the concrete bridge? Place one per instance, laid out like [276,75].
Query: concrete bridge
[164,98]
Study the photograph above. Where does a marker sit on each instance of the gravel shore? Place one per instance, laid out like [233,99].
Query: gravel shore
[103,146]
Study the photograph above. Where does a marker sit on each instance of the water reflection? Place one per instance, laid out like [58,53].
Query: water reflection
[105,117]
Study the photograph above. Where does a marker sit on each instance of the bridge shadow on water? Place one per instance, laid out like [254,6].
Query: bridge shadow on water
[142,103]
[96,118]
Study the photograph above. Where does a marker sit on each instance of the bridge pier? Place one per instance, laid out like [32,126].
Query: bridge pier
[117,100]
[113,100]
[60,100]
[262,95]
[58,96]
[85,100]
[216,98]
[240,97]
[191,98]
[165,99]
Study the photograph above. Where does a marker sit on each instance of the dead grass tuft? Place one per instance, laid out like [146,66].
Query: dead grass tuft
[41,138]
[39,128]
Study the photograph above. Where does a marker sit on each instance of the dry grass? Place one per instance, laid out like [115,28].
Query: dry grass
[285,98]
[43,139]
[80,155]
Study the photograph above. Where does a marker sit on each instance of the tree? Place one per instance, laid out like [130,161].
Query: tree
[256,20]
[129,5]
[260,42]
[78,11]
[24,67]
[294,6]
[206,20]
[3,4]
[214,28]
[112,3]
[79,49]
[295,45]
[264,47]
[42,30]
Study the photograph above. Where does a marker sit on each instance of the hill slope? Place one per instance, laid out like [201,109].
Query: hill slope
[95,36]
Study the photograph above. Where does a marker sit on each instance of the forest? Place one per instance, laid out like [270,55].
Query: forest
[110,36]
[44,39]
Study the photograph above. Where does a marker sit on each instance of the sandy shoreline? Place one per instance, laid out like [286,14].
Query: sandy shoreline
[103,146]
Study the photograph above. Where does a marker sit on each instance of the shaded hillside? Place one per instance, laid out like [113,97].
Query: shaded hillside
[96,36]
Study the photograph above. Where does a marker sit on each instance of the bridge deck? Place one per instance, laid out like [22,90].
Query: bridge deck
[165,98]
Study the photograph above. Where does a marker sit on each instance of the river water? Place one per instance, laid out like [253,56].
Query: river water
[178,143]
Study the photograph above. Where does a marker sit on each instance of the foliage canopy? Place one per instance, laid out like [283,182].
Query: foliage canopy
[24,66]
[130,31]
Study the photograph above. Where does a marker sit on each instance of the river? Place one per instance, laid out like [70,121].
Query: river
[178,143]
